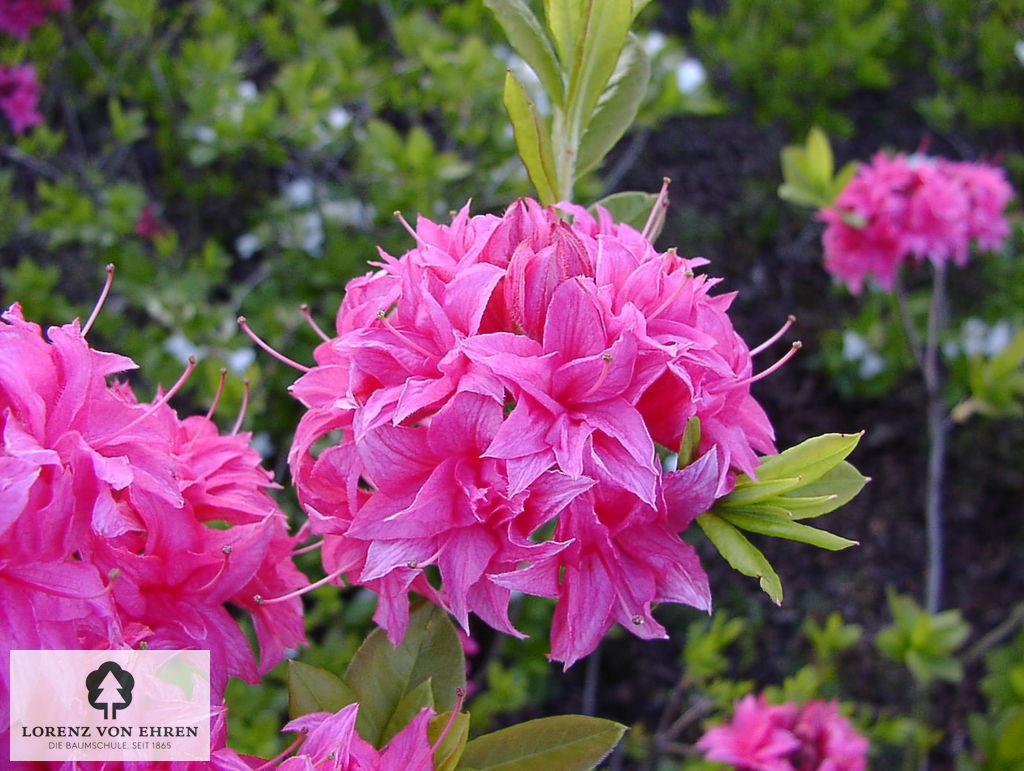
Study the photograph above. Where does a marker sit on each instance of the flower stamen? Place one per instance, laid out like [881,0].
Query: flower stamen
[241,410]
[605,368]
[260,600]
[796,346]
[460,694]
[99,302]
[790,320]
[266,347]
[162,401]
[313,325]
[657,216]
[308,547]
[402,336]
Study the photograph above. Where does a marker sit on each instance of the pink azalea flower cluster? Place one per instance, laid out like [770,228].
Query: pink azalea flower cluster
[786,737]
[912,208]
[491,405]
[19,17]
[125,526]
[19,96]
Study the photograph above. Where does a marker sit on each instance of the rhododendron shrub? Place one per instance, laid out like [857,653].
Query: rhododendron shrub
[19,96]
[786,737]
[911,208]
[19,17]
[491,406]
[125,526]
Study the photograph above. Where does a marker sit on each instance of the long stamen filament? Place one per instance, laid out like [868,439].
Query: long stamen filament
[658,212]
[189,368]
[313,325]
[796,346]
[672,297]
[409,228]
[242,409]
[308,547]
[402,336]
[266,347]
[790,320]
[273,762]
[260,600]
[226,551]
[606,367]
[99,302]
[460,694]
[220,392]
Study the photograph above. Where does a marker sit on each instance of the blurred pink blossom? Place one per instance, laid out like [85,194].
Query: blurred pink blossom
[18,17]
[19,96]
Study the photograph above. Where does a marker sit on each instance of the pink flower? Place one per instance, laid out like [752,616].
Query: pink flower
[786,737]
[124,526]
[500,391]
[19,96]
[332,744]
[900,208]
[149,225]
[18,17]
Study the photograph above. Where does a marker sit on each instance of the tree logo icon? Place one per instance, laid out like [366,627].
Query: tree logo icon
[110,688]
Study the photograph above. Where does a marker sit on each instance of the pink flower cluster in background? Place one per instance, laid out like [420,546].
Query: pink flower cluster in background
[491,405]
[19,96]
[786,737]
[125,526]
[19,17]
[911,208]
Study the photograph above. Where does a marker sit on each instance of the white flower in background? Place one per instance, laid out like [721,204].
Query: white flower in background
[690,75]
[247,91]
[299,192]
[311,234]
[204,134]
[1018,50]
[654,43]
[979,339]
[180,347]
[247,245]
[239,361]
[338,118]
[349,212]
[857,349]
[261,443]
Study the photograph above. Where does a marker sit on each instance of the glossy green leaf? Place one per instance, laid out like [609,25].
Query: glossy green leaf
[605,27]
[632,208]
[311,689]
[565,742]
[810,459]
[528,38]
[407,708]
[781,526]
[448,753]
[381,675]
[741,554]
[617,106]
[748,491]
[532,140]
[836,487]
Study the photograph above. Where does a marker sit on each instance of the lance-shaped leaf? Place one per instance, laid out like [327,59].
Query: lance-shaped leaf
[617,106]
[565,742]
[810,459]
[565,20]
[778,524]
[532,140]
[605,26]
[530,41]
[382,676]
[833,489]
[311,689]
[632,208]
[741,554]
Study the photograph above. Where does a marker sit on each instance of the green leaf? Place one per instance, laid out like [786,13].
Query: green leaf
[565,742]
[819,156]
[564,18]
[741,554]
[810,459]
[760,521]
[617,107]
[690,445]
[407,708]
[528,38]
[381,675]
[311,689]
[597,49]
[532,140]
[632,208]
[449,751]
[748,491]
[833,489]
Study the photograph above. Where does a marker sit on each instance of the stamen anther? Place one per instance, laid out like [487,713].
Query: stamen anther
[796,346]
[266,347]
[657,215]
[605,369]
[382,316]
[260,600]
